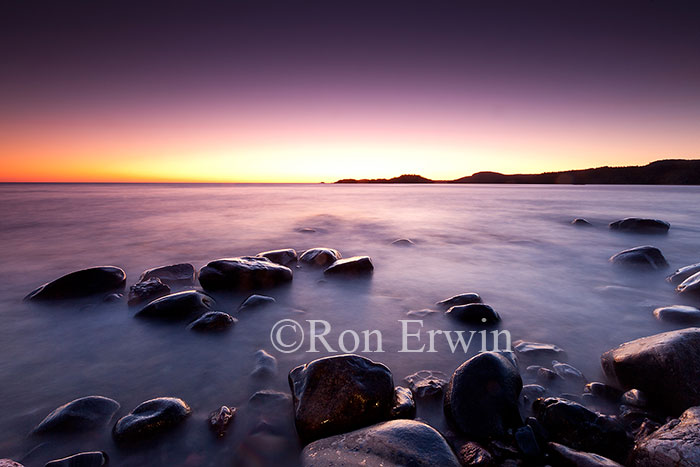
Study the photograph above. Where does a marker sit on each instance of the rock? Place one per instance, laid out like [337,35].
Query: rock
[647,257]
[113,298]
[243,274]
[665,366]
[147,291]
[403,242]
[265,364]
[256,301]
[683,273]
[283,257]
[546,376]
[83,459]
[393,443]
[340,393]
[461,299]
[353,266]
[220,419]
[470,453]
[474,313]
[421,313]
[213,321]
[677,443]
[320,257]
[306,230]
[563,456]
[678,314]
[270,400]
[526,442]
[573,377]
[80,284]
[603,391]
[635,398]
[151,418]
[404,405]
[9,463]
[575,426]
[427,383]
[176,274]
[530,393]
[178,306]
[581,222]
[690,286]
[535,352]
[81,414]
[482,396]
[639,225]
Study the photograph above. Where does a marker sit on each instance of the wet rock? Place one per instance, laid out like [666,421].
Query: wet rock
[535,352]
[243,274]
[546,377]
[421,313]
[353,266]
[574,425]
[471,453]
[665,366]
[647,257]
[427,383]
[151,418]
[461,299]
[113,298]
[635,398]
[220,419]
[640,225]
[482,396]
[320,257]
[677,443]
[678,314]
[176,274]
[178,306]
[147,291]
[532,370]
[393,443]
[256,301]
[338,394]
[571,376]
[562,456]
[603,391]
[527,443]
[581,222]
[404,405]
[81,414]
[530,393]
[474,313]
[9,463]
[683,273]
[403,242]
[79,284]
[690,286]
[268,399]
[213,321]
[265,364]
[83,459]
[283,257]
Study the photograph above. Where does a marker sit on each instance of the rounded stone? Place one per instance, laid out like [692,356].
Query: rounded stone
[80,284]
[81,414]
[461,299]
[243,274]
[178,306]
[640,225]
[353,266]
[320,256]
[213,321]
[284,257]
[646,257]
[147,291]
[477,313]
[678,314]
[151,418]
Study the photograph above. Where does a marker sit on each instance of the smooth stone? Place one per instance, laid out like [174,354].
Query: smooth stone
[530,393]
[151,418]
[404,405]
[213,321]
[690,286]
[640,225]
[340,393]
[220,419]
[175,274]
[81,414]
[427,383]
[546,376]
[178,306]
[648,257]
[603,391]
[113,298]
[635,398]
[80,284]
[270,400]
[666,367]
[474,313]
[532,370]
[265,364]
[472,454]
[461,299]
[536,352]
[320,256]
[283,257]
[256,301]
[581,222]
[574,425]
[566,457]
[677,443]
[683,273]
[388,444]
[678,314]
[569,374]
[147,291]
[83,459]
[353,266]
[481,398]
[9,463]
[243,274]
[403,242]
[526,442]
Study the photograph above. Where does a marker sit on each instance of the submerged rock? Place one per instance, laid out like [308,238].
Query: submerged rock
[603,391]
[427,383]
[690,286]
[79,284]
[581,222]
[566,457]
[353,266]
[482,396]
[403,242]
[394,443]
[265,364]
[683,273]
[646,256]
[178,306]
[213,321]
[404,405]
[678,314]
[536,352]
[677,443]
[220,419]
[175,274]
[243,274]
[571,376]
[147,291]
[151,418]
[320,256]
[83,459]
[283,257]
[256,301]
[640,225]
[338,394]
[461,299]
[9,463]
[81,414]
[665,366]
[478,313]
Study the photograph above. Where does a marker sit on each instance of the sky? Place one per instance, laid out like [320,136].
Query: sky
[310,91]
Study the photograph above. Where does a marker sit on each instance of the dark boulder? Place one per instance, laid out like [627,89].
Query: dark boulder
[320,257]
[213,321]
[647,257]
[404,405]
[176,274]
[472,454]
[581,222]
[151,418]
[677,443]
[256,301]
[536,352]
[639,225]
[178,306]
[338,394]
[635,398]
[665,366]
[603,391]
[678,314]
[683,273]
[427,383]
[147,291]
[83,459]
[283,257]
[477,313]
[243,274]
[81,414]
[354,266]
[562,456]
[527,442]
[80,284]
[393,443]
[482,396]
[690,286]
[220,419]
[461,299]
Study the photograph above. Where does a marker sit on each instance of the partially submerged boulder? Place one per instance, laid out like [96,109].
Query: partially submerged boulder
[353,266]
[690,286]
[461,299]
[147,291]
[80,284]
[477,313]
[81,414]
[256,301]
[677,443]
[644,257]
[683,273]
[427,383]
[151,418]
[178,306]
[320,257]
[537,352]
[175,274]
[284,257]
[243,274]
[678,314]
[213,321]
[641,225]
[83,459]
[581,222]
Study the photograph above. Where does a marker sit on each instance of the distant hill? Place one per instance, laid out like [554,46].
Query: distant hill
[664,172]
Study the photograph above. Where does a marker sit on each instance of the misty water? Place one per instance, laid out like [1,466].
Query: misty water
[514,245]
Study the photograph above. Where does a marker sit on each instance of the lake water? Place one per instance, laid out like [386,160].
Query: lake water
[550,282]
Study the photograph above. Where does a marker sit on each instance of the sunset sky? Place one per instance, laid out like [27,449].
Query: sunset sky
[320,90]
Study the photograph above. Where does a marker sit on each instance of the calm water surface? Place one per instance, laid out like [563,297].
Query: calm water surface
[550,282]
